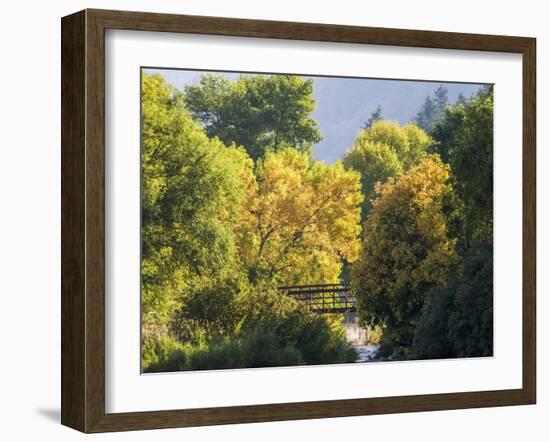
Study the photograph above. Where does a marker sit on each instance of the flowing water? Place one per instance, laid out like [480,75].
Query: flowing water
[366,353]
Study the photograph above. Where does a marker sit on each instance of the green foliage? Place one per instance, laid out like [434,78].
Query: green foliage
[433,110]
[382,151]
[320,339]
[250,350]
[162,354]
[212,305]
[465,138]
[223,226]
[457,320]
[441,99]
[192,189]
[259,112]
[406,250]
[274,330]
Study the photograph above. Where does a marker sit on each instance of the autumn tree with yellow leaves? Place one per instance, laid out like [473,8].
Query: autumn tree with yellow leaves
[406,250]
[302,220]
[383,150]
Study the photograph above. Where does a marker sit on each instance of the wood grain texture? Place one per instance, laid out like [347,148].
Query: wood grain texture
[83,219]
[529,220]
[73,130]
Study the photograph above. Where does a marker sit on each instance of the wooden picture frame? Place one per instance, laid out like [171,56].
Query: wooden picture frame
[83,218]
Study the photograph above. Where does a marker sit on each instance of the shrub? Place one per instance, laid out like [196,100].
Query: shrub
[262,328]
[457,320]
[212,306]
[258,348]
[162,355]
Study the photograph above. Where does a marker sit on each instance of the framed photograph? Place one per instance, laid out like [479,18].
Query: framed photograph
[267,221]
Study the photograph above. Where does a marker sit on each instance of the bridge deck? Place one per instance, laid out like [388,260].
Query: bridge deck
[323,298]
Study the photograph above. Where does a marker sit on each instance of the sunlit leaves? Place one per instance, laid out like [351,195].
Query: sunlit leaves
[406,248]
[382,151]
[259,112]
[193,188]
[302,220]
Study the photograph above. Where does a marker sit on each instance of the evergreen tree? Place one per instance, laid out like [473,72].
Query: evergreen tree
[425,116]
[461,99]
[433,109]
[441,98]
[374,116]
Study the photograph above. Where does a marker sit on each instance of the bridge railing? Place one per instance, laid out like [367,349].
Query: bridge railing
[323,298]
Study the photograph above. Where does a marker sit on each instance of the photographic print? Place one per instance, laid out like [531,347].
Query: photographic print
[294,220]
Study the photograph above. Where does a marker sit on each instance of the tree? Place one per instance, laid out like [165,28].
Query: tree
[425,116]
[382,151]
[205,215]
[301,220]
[461,99]
[208,101]
[374,116]
[457,319]
[258,112]
[441,99]
[193,189]
[465,140]
[406,250]
[433,109]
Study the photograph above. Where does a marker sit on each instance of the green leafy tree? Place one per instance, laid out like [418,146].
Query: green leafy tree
[193,188]
[385,150]
[457,319]
[406,250]
[198,201]
[465,140]
[209,102]
[256,111]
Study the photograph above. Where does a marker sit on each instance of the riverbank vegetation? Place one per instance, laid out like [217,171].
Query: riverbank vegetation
[425,270]
[234,206]
[221,230]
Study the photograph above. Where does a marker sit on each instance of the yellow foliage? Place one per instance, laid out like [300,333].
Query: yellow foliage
[302,218]
[385,150]
[406,248]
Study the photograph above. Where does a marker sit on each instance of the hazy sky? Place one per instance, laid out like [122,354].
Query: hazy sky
[344,104]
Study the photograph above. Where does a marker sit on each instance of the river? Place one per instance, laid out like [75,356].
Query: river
[366,353]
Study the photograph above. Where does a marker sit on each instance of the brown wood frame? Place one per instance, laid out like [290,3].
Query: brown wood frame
[83,215]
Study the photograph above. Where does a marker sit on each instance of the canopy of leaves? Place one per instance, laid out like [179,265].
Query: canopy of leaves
[406,249]
[382,151]
[257,111]
[192,190]
[457,320]
[465,140]
[209,222]
[301,220]
[223,226]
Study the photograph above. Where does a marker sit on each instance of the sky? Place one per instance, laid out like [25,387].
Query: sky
[344,104]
